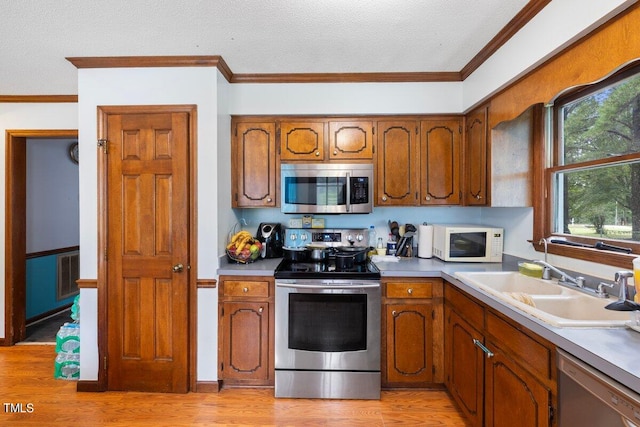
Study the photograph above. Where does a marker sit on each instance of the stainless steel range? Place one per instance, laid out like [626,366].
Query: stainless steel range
[327,330]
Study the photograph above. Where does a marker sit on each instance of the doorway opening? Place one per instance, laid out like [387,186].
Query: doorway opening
[16,227]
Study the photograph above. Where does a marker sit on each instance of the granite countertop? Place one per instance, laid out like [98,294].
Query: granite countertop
[613,351]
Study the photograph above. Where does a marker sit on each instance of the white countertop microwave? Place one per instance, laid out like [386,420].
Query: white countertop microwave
[467,243]
[327,188]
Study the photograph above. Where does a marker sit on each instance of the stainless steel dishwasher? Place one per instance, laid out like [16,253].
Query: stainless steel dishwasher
[587,397]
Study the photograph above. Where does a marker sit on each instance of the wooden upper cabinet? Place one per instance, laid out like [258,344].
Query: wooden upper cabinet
[351,140]
[302,141]
[254,164]
[397,168]
[474,183]
[440,161]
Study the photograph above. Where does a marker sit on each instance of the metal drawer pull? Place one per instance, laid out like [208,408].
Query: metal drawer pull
[410,291]
[245,290]
[483,348]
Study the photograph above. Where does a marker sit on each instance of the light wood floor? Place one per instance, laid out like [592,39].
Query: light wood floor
[27,378]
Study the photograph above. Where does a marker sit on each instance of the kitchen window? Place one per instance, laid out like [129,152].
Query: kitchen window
[594,173]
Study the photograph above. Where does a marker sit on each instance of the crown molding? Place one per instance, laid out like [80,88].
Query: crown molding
[520,20]
[444,76]
[38,98]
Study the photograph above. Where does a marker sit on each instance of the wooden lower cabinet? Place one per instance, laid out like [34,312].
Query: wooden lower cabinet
[246,331]
[412,353]
[499,373]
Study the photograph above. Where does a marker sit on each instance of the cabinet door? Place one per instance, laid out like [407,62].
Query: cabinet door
[409,332]
[302,141]
[475,158]
[254,165]
[350,140]
[512,395]
[440,161]
[397,169]
[464,366]
[246,341]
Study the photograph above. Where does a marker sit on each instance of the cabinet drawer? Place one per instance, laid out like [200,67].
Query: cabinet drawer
[533,355]
[409,290]
[246,289]
[473,312]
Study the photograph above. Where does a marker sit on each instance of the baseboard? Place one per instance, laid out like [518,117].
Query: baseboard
[89,386]
[207,387]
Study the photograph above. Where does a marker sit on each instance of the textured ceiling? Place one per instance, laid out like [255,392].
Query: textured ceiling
[253,36]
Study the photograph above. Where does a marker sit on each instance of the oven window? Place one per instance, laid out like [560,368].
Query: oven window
[323,322]
[320,191]
[468,245]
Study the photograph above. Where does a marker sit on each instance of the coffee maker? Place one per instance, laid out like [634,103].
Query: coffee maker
[270,234]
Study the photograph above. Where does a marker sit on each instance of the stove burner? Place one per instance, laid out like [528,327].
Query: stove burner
[307,267]
[327,270]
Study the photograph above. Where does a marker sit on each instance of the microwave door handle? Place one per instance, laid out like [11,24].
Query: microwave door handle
[348,191]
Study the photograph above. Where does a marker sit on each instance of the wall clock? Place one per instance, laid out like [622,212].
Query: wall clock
[73,152]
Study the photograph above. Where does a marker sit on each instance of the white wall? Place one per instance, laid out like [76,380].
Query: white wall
[19,116]
[147,86]
[346,98]
[52,195]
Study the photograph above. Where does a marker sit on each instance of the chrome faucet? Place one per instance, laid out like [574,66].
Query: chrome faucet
[564,277]
[621,279]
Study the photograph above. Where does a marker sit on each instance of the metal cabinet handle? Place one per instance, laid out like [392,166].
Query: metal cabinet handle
[384,198]
[269,199]
[488,352]
[335,152]
[178,268]
[478,197]
[245,290]
[427,198]
[260,310]
[410,291]
[394,313]
[317,153]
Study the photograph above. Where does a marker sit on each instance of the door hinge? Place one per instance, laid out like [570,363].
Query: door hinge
[102,143]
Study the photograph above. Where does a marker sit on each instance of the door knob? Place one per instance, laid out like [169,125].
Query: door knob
[178,268]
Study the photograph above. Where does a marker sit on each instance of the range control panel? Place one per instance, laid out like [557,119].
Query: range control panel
[299,237]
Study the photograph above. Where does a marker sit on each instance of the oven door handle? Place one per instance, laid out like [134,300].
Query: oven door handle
[301,286]
[348,192]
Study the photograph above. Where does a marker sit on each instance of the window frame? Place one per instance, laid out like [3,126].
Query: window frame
[544,199]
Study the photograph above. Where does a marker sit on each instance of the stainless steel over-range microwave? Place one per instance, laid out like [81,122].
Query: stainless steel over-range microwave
[326,188]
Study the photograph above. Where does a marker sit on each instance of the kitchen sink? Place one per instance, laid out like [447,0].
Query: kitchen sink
[498,282]
[547,300]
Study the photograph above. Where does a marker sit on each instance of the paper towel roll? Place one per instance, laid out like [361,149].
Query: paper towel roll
[425,241]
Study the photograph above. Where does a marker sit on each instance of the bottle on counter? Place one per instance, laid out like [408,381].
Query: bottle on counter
[392,245]
[372,236]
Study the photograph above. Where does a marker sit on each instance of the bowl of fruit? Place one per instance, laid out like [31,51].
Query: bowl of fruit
[243,247]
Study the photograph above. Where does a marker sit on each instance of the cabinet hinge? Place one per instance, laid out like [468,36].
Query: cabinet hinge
[222,312]
[460,129]
[236,133]
[433,369]
[104,363]
[416,130]
[106,252]
[551,415]
[102,143]
[433,314]
[222,366]
[236,196]
[373,130]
